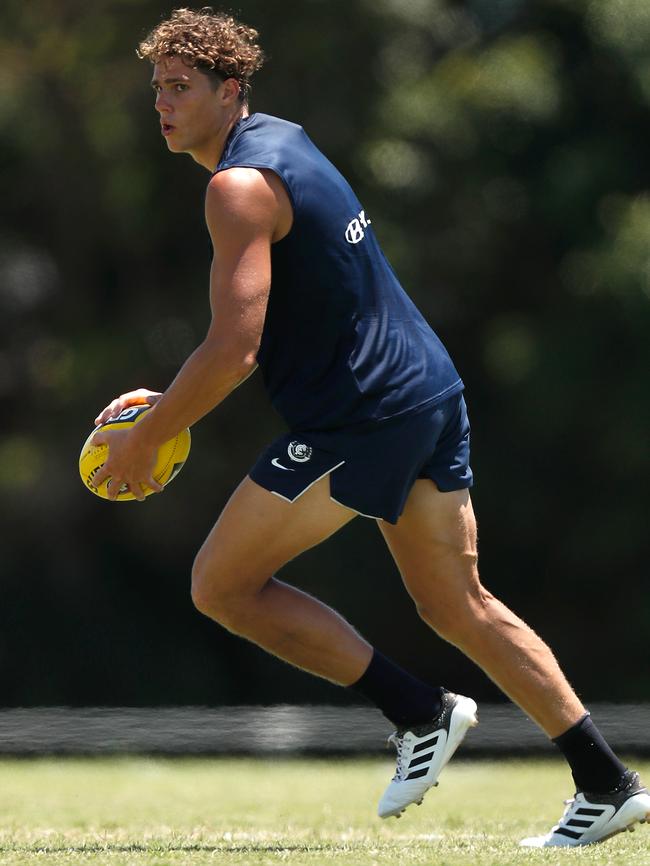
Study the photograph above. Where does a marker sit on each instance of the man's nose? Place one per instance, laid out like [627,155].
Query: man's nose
[161,103]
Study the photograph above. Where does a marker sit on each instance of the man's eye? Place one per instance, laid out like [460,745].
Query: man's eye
[181,87]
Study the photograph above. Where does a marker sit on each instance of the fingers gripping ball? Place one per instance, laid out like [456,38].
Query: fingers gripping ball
[171,456]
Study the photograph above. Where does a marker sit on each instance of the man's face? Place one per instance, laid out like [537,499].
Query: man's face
[188,104]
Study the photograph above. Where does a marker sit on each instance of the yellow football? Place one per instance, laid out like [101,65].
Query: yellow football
[171,456]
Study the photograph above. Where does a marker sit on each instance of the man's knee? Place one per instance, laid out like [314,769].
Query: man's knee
[457,614]
[208,592]
[203,592]
[217,593]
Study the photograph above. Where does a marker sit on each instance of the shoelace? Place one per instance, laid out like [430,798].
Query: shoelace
[398,741]
[566,814]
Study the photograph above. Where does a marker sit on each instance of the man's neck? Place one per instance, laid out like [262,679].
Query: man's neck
[210,156]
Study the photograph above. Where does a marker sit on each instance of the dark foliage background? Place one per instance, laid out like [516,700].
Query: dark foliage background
[501,149]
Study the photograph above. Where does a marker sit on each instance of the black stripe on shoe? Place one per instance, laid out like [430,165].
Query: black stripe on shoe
[576,822]
[421,760]
[427,743]
[595,812]
[417,774]
[562,831]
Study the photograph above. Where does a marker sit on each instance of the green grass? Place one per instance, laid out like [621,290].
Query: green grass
[150,812]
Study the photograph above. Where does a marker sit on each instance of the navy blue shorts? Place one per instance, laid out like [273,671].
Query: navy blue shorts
[372,467]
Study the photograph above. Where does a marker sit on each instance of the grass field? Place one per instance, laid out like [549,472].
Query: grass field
[154,812]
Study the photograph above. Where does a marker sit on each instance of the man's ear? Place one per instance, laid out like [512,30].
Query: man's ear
[230,91]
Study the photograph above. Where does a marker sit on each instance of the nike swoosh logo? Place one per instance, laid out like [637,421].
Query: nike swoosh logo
[277,463]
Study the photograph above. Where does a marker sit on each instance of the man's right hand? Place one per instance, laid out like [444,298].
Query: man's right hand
[131,398]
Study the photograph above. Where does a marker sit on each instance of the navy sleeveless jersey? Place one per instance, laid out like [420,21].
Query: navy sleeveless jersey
[342,342]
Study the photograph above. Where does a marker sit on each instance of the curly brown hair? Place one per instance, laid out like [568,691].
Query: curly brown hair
[213,42]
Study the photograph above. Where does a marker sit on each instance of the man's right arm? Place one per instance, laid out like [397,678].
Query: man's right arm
[242,213]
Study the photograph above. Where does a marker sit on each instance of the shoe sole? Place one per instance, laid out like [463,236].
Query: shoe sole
[464,717]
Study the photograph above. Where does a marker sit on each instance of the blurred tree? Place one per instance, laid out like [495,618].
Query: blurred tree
[501,148]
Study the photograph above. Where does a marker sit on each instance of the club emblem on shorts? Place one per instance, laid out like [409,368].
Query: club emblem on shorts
[299,452]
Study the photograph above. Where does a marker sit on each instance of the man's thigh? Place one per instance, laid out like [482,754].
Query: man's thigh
[434,542]
[258,532]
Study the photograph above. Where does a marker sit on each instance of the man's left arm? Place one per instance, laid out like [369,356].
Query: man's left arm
[242,214]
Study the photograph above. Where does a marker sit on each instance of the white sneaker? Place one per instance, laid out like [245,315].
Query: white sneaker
[423,751]
[590,818]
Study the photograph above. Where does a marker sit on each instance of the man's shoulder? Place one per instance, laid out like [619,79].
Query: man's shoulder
[260,137]
[236,187]
[241,198]
[259,118]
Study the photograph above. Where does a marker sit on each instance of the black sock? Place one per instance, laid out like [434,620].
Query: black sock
[594,766]
[402,698]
